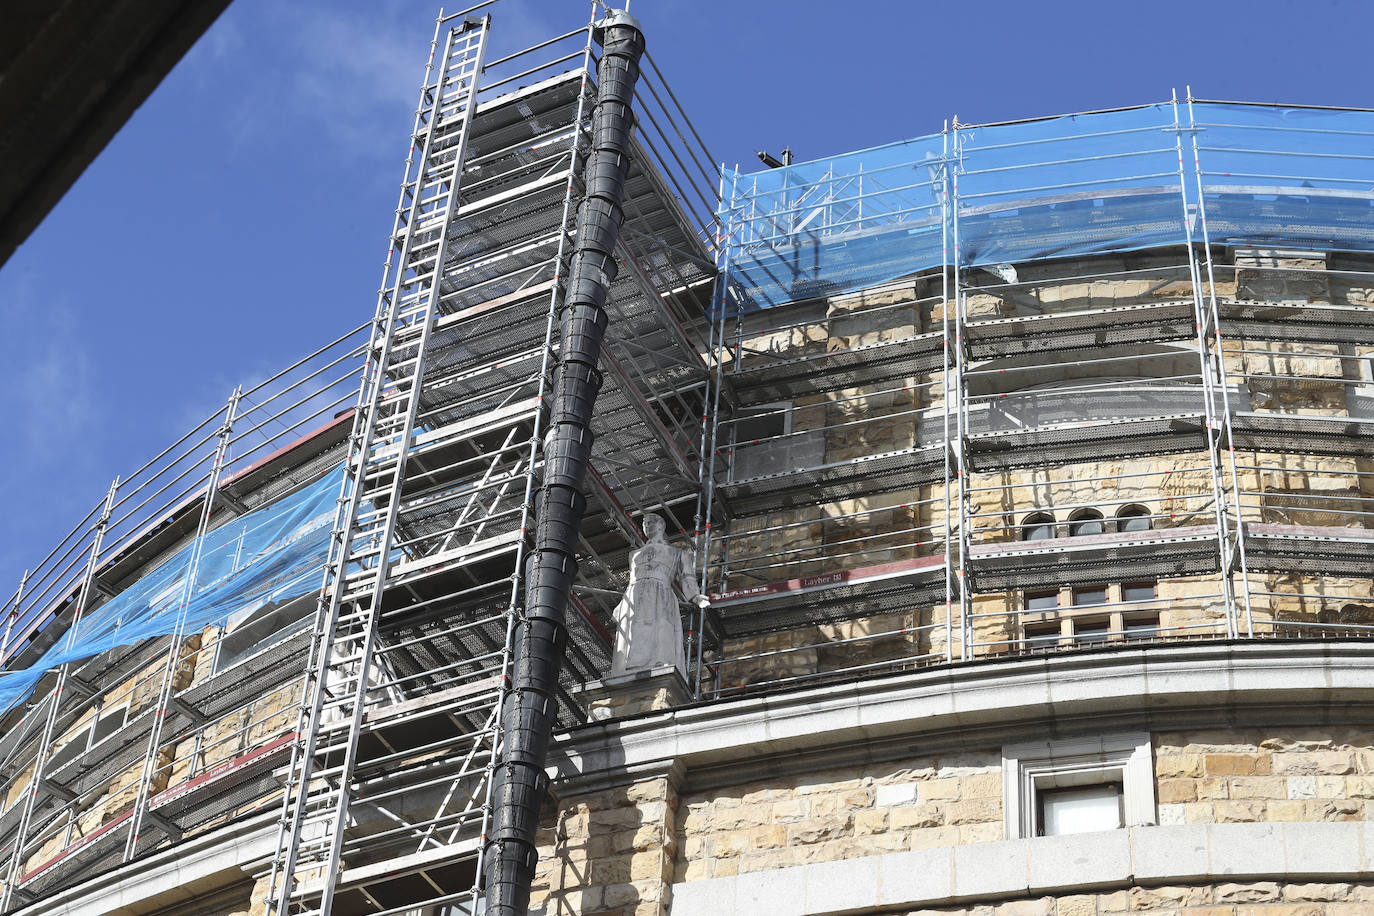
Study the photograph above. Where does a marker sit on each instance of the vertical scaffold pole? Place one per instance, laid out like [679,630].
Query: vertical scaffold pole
[164,697]
[961,404]
[1219,357]
[1204,369]
[712,412]
[945,393]
[13,615]
[706,463]
[14,872]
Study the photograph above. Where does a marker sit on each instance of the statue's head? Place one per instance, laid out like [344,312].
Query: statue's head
[654,526]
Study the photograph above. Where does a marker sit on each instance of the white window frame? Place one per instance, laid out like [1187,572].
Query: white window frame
[1033,766]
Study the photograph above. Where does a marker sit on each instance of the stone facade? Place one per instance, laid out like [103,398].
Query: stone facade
[259,721]
[1256,898]
[620,850]
[1029,383]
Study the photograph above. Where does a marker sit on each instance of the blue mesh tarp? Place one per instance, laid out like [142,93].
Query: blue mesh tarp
[1058,187]
[1075,185]
[1287,177]
[270,555]
[834,225]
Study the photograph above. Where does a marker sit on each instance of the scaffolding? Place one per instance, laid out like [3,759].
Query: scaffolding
[1096,379]
[1089,381]
[360,716]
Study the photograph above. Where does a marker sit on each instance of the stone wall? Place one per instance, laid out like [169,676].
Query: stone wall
[608,852]
[867,530]
[1176,489]
[616,851]
[237,732]
[1254,898]
[1222,776]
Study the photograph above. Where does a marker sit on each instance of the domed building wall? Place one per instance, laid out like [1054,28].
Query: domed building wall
[1033,509]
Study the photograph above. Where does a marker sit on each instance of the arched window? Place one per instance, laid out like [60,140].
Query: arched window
[1084,522]
[1038,527]
[1133,518]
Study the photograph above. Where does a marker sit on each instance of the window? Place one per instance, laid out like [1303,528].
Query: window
[1086,522]
[1143,627]
[1076,785]
[1038,527]
[1133,519]
[1080,810]
[89,736]
[1086,632]
[1043,636]
[765,421]
[1090,614]
[1138,591]
[1089,596]
[765,441]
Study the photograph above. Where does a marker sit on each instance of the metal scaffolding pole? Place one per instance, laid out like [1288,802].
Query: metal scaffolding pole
[14,873]
[1235,553]
[1209,396]
[950,359]
[961,400]
[165,688]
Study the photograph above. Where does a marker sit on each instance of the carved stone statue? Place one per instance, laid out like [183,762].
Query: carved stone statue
[648,626]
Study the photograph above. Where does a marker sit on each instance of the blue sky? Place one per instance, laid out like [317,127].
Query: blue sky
[239,219]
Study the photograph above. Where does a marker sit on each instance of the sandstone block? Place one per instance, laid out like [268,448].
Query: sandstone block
[1163,898]
[1231,812]
[1247,893]
[980,833]
[938,789]
[1187,765]
[1302,892]
[1286,811]
[1338,810]
[889,796]
[1077,905]
[771,837]
[817,831]
[696,870]
[1258,787]
[1237,764]
[916,816]
[869,822]
[933,838]
[1041,907]
[1176,791]
[974,811]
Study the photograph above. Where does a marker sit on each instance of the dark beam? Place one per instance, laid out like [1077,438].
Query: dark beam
[72,72]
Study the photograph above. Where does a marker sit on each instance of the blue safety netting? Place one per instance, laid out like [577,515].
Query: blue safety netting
[1287,177]
[268,556]
[1059,187]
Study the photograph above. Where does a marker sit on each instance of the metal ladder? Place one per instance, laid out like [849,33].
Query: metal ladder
[346,679]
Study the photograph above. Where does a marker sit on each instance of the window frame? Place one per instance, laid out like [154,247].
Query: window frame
[1037,520]
[1030,768]
[1129,512]
[1086,517]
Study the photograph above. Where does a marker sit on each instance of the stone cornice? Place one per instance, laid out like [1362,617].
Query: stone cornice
[1215,683]
[1079,863]
[193,867]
